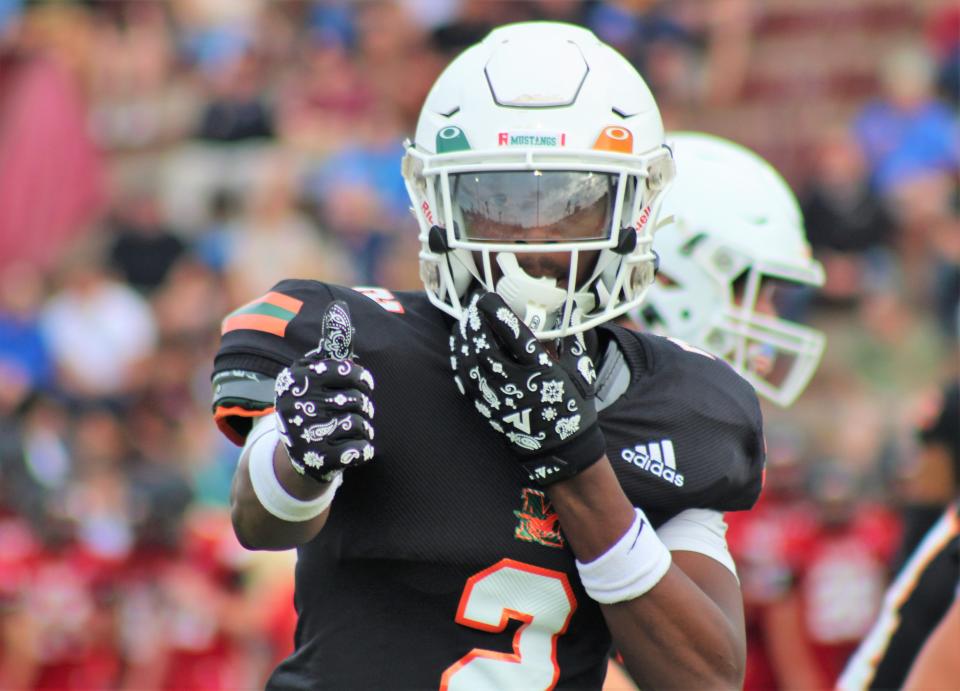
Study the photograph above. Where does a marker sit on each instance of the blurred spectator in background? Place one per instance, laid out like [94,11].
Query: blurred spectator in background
[812,555]
[143,247]
[220,40]
[276,236]
[689,52]
[97,501]
[838,571]
[140,102]
[17,639]
[761,543]
[238,109]
[51,175]
[359,196]
[70,490]
[215,238]
[943,38]
[100,331]
[635,26]
[189,305]
[395,58]
[68,641]
[473,20]
[323,97]
[214,33]
[945,288]
[25,362]
[907,133]
[188,308]
[887,360]
[181,609]
[35,465]
[9,16]
[928,563]
[847,223]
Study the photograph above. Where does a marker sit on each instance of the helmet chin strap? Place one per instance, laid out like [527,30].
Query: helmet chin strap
[538,301]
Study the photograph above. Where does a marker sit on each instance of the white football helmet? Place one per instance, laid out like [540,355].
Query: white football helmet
[736,231]
[539,139]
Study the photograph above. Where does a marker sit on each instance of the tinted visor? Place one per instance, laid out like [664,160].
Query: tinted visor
[533,206]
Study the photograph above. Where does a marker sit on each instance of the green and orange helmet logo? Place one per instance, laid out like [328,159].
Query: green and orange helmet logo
[450,139]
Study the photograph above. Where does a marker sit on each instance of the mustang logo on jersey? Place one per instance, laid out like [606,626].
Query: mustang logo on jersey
[657,458]
[538,521]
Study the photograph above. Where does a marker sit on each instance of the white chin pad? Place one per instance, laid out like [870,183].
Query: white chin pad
[535,300]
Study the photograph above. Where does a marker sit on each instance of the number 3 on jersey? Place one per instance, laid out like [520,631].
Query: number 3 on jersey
[541,598]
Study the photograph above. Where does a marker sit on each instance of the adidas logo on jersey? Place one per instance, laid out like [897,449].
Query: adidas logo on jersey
[657,458]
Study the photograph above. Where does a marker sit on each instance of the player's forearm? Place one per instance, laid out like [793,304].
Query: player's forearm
[674,635]
[254,526]
[938,665]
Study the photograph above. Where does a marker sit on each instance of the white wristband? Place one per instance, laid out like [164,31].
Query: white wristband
[629,568]
[271,494]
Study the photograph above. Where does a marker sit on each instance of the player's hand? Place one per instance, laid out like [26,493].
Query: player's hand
[323,403]
[544,407]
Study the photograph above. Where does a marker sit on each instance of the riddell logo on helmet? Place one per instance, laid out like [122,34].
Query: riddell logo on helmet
[657,458]
[427,213]
[531,139]
[644,217]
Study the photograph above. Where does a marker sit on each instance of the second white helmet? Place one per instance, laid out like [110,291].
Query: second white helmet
[736,231]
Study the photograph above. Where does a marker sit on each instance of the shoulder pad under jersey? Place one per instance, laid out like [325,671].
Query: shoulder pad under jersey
[687,432]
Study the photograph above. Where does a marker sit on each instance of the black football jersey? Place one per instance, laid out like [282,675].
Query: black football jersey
[913,606]
[440,565]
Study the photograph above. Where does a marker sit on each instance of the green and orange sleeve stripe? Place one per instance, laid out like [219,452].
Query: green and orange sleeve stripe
[270,314]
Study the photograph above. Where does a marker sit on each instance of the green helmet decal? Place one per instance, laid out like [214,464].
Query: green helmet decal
[450,139]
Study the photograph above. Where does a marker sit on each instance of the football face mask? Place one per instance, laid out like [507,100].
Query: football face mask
[778,357]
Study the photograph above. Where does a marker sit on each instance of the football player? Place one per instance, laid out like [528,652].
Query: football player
[937,664]
[725,250]
[423,450]
[918,601]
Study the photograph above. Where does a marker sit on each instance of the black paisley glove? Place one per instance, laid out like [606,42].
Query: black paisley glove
[323,403]
[544,408]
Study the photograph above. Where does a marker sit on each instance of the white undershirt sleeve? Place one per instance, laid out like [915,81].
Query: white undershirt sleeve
[698,530]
